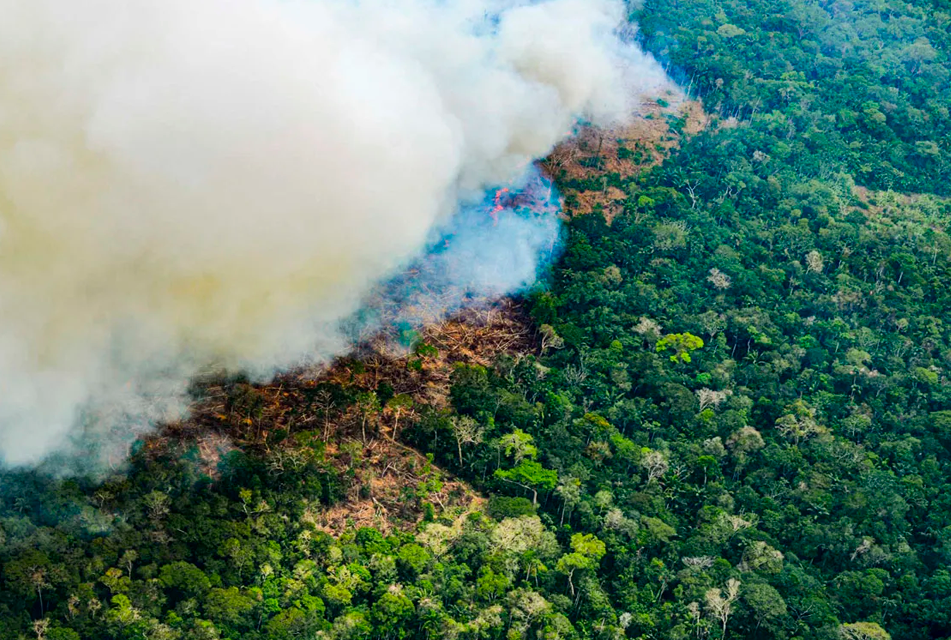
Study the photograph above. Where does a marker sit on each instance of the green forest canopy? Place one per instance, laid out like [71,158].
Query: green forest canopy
[742,427]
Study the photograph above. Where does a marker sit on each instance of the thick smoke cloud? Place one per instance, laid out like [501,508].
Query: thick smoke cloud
[186,183]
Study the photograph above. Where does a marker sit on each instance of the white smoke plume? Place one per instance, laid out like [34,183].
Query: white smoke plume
[194,182]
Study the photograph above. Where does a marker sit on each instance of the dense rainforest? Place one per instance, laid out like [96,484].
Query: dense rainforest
[736,421]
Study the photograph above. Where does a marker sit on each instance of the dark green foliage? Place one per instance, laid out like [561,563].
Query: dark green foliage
[500,507]
[863,85]
[740,425]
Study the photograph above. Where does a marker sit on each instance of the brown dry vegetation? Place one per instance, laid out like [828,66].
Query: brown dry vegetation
[648,140]
[291,414]
[295,411]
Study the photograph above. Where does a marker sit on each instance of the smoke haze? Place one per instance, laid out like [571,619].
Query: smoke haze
[186,183]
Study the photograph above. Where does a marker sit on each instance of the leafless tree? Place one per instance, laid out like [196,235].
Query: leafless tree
[719,605]
[466,431]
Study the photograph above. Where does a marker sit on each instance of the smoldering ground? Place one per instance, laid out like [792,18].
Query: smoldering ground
[223,182]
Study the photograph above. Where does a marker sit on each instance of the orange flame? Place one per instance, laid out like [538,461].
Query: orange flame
[498,205]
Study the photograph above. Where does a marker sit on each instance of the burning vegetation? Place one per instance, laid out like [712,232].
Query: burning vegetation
[352,409]
[349,413]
